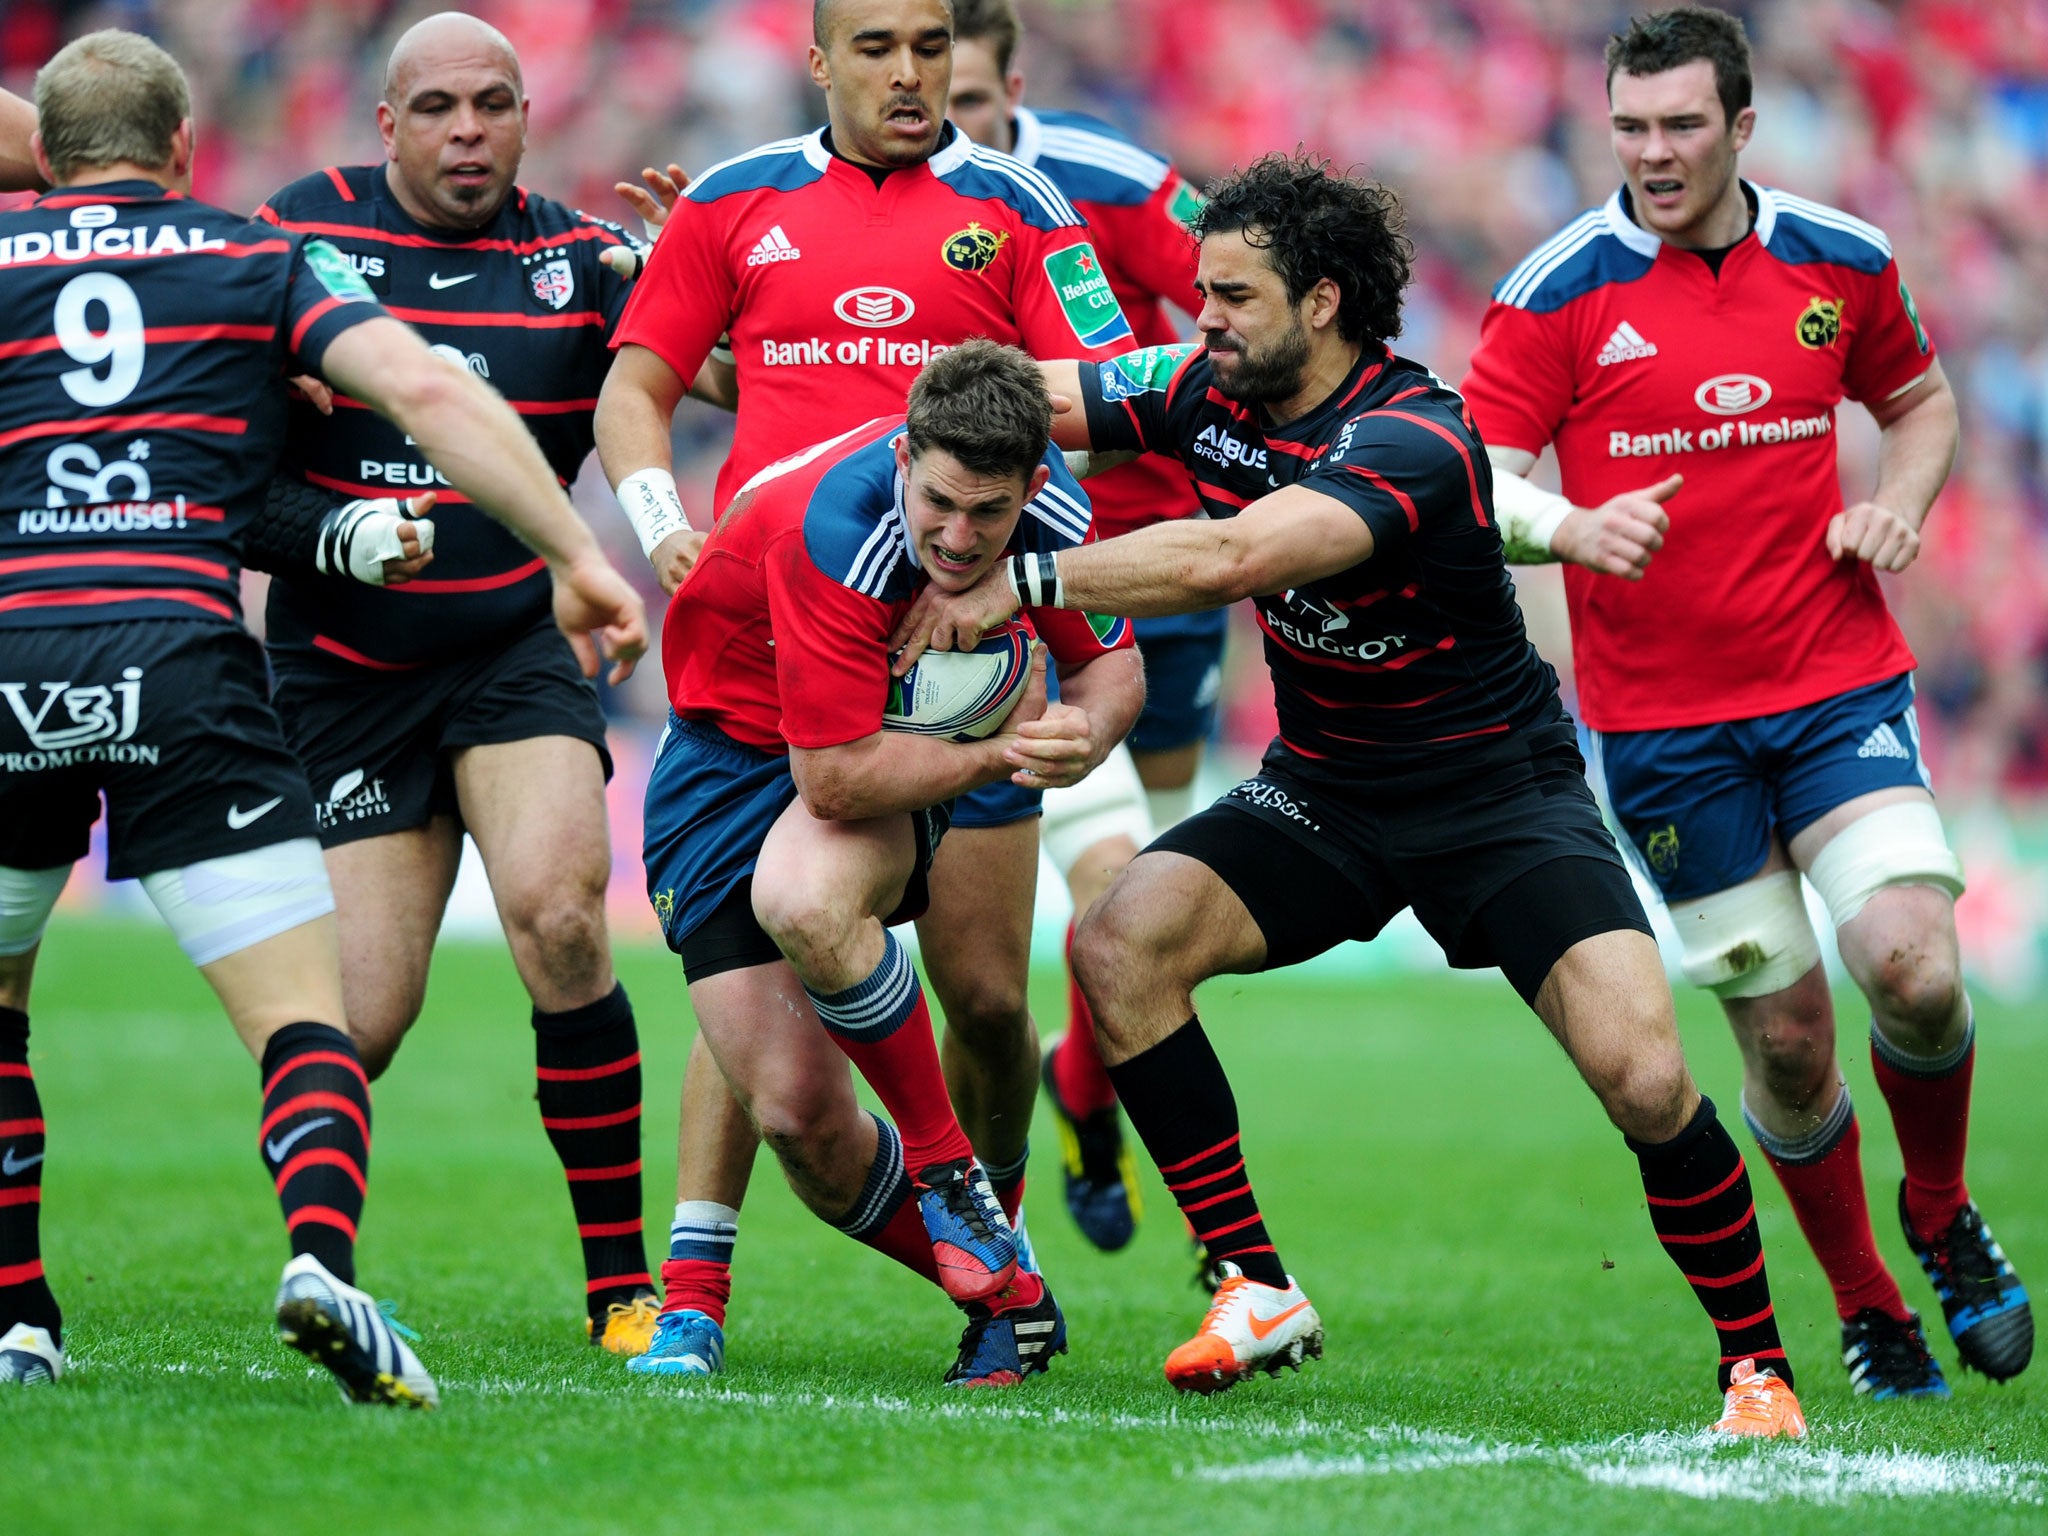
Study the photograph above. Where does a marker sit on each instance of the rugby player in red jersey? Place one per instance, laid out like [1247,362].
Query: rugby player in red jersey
[1423,758]
[839,264]
[1685,347]
[1136,205]
[139,419]
[786,827]
[448,703]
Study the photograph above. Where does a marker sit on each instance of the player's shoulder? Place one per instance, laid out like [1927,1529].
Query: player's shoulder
[1155,370]
[1092,161]
[786,165]
[1601,247]
[1405,409]
[986,175]
[543,216]
[1058,516]
[852,525]
[340,194]
[1801,232]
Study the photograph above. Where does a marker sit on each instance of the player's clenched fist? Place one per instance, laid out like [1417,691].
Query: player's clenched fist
[673,557]
[951,621]
[1618,537]
[1876,535]
[592,599]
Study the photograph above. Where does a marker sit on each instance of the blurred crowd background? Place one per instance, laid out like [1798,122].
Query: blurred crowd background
[1928,117]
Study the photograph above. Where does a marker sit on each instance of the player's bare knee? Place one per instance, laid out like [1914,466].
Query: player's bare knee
[987,1012]
[806,929]
[1916,991]
[1647,1094]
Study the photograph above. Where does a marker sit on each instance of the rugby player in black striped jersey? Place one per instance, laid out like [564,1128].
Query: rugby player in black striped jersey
[448,703]
[1423,757]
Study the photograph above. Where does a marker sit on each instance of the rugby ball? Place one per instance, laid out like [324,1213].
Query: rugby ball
[964,695]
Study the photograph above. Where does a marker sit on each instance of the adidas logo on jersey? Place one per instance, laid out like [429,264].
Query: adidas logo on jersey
[773,246]
[1883,742]
[1625,346]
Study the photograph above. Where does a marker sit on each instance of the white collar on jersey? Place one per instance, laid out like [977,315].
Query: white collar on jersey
[1030,136]
[903,517]
[951,156]
[1644,243]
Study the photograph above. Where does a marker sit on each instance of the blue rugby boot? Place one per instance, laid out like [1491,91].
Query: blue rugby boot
[1010,1339]
[1099,1174]
[971,1242]
[1985,1304]
[686,1343]
[1888,1358]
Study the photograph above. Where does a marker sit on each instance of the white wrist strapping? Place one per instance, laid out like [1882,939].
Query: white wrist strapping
[357,537]
[1528,517]
[1034,580]
[652,505]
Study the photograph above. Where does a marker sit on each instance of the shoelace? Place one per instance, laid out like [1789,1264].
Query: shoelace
[1964,1254]
[1752,1400]
[961,1200]
[1895,1352]
[1225,1293]
[388,1310]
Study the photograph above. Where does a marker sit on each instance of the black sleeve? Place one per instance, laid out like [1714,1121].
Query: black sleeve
[1404,475]
[283,536]
[1131,400]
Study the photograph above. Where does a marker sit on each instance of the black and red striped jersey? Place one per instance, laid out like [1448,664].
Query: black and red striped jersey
[1415,653]
[524,302]
[144,344]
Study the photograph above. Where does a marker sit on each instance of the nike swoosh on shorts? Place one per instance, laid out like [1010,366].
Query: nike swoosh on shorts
[239,818]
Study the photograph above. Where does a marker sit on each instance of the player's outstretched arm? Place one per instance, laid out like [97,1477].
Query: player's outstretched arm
[1616,538]
[466,431]
[18,171]
[1287,539]
[1069,420]
[1918,433]
[891,772]
[634,412]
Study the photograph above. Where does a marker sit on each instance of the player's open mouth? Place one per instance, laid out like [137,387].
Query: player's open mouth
[908,119]
[1663,190]
[947,560]
[468,174]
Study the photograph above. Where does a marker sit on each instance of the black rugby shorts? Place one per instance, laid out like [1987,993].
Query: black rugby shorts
[169,719]
[377,744]
[1502,854]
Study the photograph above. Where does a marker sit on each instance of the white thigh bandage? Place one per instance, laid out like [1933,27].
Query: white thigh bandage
[1171,807]
[26,897]
[1110,802]
[1894,845]
[219,907]
[1749,940]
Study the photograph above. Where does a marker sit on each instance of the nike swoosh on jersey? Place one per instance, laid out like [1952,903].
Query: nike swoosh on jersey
[1262,1326]
[239,818]
[10,1165]
[278,1146]
[437,282]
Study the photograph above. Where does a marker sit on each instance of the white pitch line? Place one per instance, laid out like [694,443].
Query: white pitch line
[1696,1466]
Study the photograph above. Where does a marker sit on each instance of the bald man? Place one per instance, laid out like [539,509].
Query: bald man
[449,703]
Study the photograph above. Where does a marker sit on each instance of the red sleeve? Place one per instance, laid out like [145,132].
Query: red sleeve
[1520,385]
[1888,347]
[831,649]
[1151,247]
[683,302]
[1073,639]
[1063,301]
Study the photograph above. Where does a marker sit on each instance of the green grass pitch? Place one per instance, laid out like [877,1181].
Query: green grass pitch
[1508,1350]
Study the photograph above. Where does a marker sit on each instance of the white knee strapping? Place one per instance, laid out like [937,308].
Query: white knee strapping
[26,897]
[1110,802]
[219,907]
[1893,845]
[1749,940]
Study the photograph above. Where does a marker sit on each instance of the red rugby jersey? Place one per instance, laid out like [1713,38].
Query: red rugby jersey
[1638,363]
[779,636]
[836,291]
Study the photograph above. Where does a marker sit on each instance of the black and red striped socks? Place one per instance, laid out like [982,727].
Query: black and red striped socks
[1181,1106]
[315,1140]
[1705,1216]
[25,1295]
[587,1066]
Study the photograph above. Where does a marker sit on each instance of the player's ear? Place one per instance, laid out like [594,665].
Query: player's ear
[181,156]
[1037,481]
[1013,89]
[821,68]
[387,129]
[1324,300]
[1745,125]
